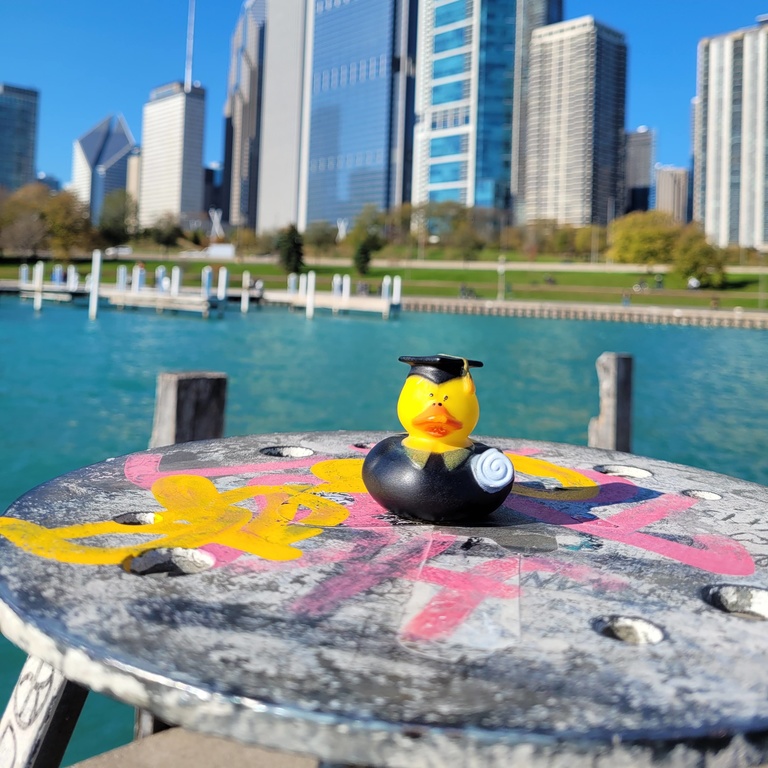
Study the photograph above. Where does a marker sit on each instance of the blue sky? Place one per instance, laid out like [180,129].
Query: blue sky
[92,58]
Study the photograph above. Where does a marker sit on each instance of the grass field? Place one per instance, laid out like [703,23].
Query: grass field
[602,287]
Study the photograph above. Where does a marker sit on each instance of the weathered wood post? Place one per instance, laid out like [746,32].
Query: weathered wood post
[612,428]
[93,300]
[188,406]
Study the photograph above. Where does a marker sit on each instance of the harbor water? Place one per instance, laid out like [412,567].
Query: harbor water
[74,392]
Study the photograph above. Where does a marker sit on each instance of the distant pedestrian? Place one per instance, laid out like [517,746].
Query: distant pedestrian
[625,299]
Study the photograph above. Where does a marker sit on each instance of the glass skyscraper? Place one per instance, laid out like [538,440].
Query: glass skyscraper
[18,136]
[731,138]
[472,56]
[100,162]
[242,116]
[358,107]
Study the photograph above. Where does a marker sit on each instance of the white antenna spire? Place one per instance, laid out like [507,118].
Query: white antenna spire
[190,47]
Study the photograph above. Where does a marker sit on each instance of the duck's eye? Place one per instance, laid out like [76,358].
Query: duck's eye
[431,394]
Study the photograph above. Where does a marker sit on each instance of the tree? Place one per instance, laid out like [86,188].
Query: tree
[644,237]
[166,231]
[119,217]
[362,257]
[466,241]
[369,228]
[291,248]
[587,238]
[695,257]
[22,222]
[67,222]
[320,235]
[24,235]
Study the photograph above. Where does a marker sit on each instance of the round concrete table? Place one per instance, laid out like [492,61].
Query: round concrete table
[609,614]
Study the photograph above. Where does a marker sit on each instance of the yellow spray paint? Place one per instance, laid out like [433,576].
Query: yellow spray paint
[574,485]
[193,513]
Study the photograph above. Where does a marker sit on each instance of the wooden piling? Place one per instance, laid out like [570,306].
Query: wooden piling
[612,428]
[188,406]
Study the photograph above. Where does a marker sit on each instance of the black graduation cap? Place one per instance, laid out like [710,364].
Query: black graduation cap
[438,368]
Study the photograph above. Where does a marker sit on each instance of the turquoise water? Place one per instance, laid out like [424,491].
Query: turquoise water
[73,392]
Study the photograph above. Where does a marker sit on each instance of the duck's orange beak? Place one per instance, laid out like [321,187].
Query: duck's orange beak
[436,421]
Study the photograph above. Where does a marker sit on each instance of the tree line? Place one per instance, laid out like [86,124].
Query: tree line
[35,219]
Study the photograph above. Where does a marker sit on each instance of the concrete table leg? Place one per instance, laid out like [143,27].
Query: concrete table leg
[40,717]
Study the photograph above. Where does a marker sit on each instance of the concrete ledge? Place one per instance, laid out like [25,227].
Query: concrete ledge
[177,747]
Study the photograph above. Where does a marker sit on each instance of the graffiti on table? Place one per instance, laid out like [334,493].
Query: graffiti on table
[193,513]
[286,502]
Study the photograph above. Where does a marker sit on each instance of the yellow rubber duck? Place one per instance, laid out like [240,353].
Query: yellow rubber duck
[436,472]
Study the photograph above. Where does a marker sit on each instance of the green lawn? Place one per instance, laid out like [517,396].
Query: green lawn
[743,290]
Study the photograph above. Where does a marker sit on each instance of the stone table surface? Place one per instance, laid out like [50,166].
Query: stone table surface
[610,613]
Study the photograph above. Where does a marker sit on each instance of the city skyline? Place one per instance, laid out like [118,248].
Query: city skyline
[111,62]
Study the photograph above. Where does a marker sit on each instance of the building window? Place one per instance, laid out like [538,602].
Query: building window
[446,195]
[447,41]
[452,65]
[450,13]
[446,145]
[440,173]
[442,94]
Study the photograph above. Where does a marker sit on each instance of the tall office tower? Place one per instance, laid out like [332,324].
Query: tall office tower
[730,137]
[471,101]
[171,179]
[576,123]
[530,15]
[242,117]
[281,115]
[18,135]
[358,107]
[100,162]
[639,176]
[672,192]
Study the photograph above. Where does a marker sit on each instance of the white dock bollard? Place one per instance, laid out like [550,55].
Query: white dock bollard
[302,284]
[160,278]
[23,274]
[175,281]
[137,278]
[397,290]
[336,285]
[245,292]
[122,278]
[93,301]
[346,287]
[386,287]
[293,282]
[223,285]
[37,279]
[310,295]
[73,280]
[58,274]
[206,282]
